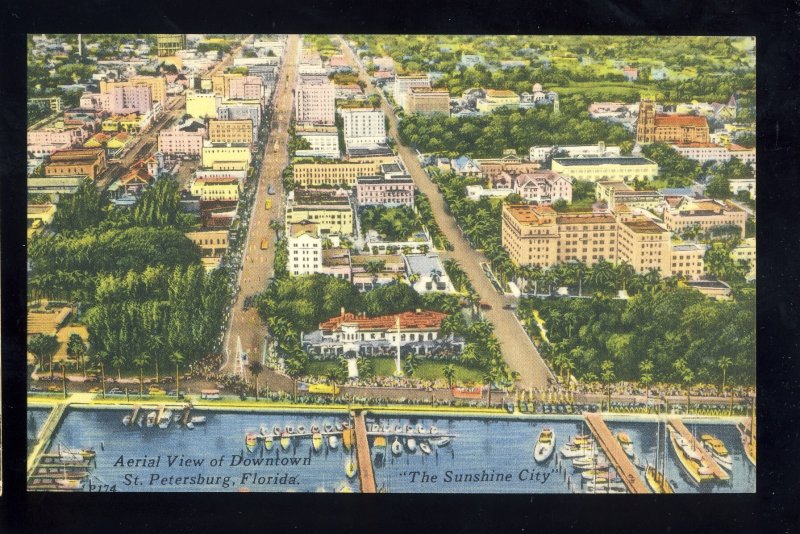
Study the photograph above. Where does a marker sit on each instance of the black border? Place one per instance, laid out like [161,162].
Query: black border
[772,509]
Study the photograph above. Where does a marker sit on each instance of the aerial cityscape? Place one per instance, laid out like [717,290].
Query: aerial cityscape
[391,263]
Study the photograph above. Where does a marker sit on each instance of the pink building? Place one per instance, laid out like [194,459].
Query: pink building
[96,101]
[315,102]
[543,186]
[178,142]
[385,191]
[46,141]
[245,88]
[130,99]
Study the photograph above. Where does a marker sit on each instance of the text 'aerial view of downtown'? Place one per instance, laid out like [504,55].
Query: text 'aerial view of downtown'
[391,263]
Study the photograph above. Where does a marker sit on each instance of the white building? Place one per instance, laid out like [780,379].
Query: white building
[543,186]
[324,141]
[540,153]
[315,102]
[705,152]
[363,126]
[477,192]
[430,273]
[305,249]
[745,184]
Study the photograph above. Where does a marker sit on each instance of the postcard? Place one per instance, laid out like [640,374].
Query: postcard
[391,263]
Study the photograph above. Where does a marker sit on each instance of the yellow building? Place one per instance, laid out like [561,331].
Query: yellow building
[202,105]
[39,216]
[615,193]
[232,131]
[705,214]
[621,168]
[497,98]
[212,245]
[337,172]
[331,211]
[688,260]
[157,85]
[121,140]
[226,157]
[168,44]
[643,244]
[220,83]
[216,188]
[746,251]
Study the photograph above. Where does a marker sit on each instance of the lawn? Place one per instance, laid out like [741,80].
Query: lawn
[621,89]
[426,370]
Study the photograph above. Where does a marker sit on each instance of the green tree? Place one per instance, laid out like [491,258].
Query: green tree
[140,361]
[256,368]
[76,348]
[43,347]
[723,363]
[608,376]
[449,372]
[646,377]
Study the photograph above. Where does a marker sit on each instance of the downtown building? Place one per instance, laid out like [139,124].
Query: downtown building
[363,127]
[315,102]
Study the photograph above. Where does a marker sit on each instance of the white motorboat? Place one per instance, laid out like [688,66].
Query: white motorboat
[420,429]
[199,419]
[442,441]
[545,445]
[716,448]
[589,462]
[151,419]
[190,425]
[126,420]
[626,443]
[333,441]
[687,447]
[424,447]
[166,419]
[434,430]
[576,451]
[339,426]
[397,447]
[316,441]
[411,444]
[276,430]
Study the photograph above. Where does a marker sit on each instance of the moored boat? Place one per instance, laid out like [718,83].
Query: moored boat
[596,475]
[424,447]
[589,462]
[697,472]
[351,468]
[333,442]
[397,447]
[411,444]
[576,451]
[268,441]
[250,441]
[286,440]
[316,441]
[166,419]
[380,442]
[545,445]
[626,443]
[126,420]
[198,420]
[442,441]
[151,419]
[656,481]
[718,451]
[605,487]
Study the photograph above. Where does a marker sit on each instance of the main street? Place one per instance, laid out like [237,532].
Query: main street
[518,350]
[257,264]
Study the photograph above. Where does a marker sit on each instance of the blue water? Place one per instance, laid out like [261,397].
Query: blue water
[485,456]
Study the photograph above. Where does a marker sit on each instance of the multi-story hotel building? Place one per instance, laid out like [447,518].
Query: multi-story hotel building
[614,193]
[402,84]
[331,211]
[543,186]
[305,249]
[385,191]
[706,152]
[540,153]
[180,142]
[324,141]
[343,173]
[652,127]
[703,213]
[202,105]
[157,85]
[168,44]
[235,131]
[688,260]
[427,100]
[80,161]
[230,110]
[624,168]
[363,126]
[315,102]
[225,156]
[222,188]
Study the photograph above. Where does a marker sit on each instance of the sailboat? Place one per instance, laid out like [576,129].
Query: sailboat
[655,475]
[688,458]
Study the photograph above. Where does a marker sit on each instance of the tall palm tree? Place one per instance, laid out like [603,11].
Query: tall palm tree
[625,272]
[607,376]
[76,348]
[686,376]
[723,363]
[646,378]
[177,358]
[101,357]
[256,368]
[374,267]
[118,360]
[140,361]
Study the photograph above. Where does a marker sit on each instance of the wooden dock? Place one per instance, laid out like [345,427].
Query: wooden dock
[366,475]
[45,436]
[708,460]
[187,414]
[613,450]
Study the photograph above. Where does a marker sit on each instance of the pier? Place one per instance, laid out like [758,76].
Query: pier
[187,414]
[708,460]
[135,414]
[365,474]
[613,450]
[45,435]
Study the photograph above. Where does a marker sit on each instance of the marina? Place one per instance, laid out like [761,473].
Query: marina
[325,451]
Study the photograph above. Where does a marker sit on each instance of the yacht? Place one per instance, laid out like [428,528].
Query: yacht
[545,445]
[718,451]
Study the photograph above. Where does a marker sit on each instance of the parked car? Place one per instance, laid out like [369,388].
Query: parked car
[152,390]
[53,388]
[509,307]
[35,388]
[115,391]
[486,306]
[95,390]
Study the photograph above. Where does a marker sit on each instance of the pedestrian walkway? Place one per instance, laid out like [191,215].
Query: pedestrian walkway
[613,450]
[366,475]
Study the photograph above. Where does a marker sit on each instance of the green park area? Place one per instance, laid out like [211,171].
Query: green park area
[424,370]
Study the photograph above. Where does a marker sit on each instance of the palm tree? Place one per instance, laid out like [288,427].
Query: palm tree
[489,377]
[723,363]
[100,357]
[256,368]
[607,376]
[177,358]
[559,361]
[276,226]
[63,365]
[76,348]
[687,378]
[646,368]
[449,372]
[43,347]
[140,361]
[118,360]
[625,272]
[601,275]
[374,267]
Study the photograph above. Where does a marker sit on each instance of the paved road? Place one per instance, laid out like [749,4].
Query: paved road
[257,264]
[519,351]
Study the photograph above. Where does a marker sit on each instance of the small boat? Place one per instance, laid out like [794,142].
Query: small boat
[380,442]
[199,419]
[151,419]
[339,426]
[289,429]
[656,481]
[718,451]
[314,428]
[573,451]
[268,441]
[411,444]
[693,468]
[351,468]
[420,429]
[166,419]
[126,420]
[333,442]
[595,474]
[688,448]
[250,441]
[286,441]
[397,448]
[276,430]
[301,429]
[424,447]
[264,430]
[626,443]
[176,417]
[190,425]
[544,445]
[316,441]
[589,462]
[344,487]
[442,441]
[605,487]
[141,420]
[434,430]
[581,439]
[328,427]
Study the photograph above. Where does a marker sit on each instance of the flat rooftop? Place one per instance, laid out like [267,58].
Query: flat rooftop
[621,160]
[644,226]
